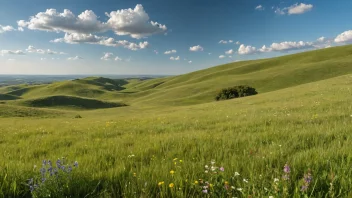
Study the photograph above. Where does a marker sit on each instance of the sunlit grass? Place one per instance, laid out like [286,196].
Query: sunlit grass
[162,152]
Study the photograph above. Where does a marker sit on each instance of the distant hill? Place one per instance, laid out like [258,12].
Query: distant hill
[197,87]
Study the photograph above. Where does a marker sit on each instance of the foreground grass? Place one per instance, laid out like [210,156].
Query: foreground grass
[130,151]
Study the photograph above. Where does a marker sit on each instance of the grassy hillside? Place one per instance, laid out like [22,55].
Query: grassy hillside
[70,102]
[121,153]
[8,97]
[160,145]
[265,75]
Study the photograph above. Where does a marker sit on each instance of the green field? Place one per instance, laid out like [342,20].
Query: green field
[153,138]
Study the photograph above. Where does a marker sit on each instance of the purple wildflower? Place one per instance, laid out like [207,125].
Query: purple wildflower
[205,191]
[307,179]
[287,169]
[42,171]
[222,169]
[75,164]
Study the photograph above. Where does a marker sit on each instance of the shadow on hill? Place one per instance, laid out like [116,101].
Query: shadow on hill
[8,97]
[19,92]
[106,83]
[71,102]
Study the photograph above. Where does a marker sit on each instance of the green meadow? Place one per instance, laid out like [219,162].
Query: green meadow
[168,137]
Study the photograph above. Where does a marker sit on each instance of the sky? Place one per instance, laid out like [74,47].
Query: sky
[161,37]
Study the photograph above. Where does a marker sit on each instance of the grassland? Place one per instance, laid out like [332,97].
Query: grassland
[301,117]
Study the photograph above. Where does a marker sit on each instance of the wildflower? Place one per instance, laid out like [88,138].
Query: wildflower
[222,169]
[205,191]
[212,168]
[237,174]
[234,188]
[271,196]
[211,185]
[206,166]
[172,172]
[196,182]
[226,183]
[171,185]
[175,159]
[206,171]
[239,189]
[212,162]
[287,169]
[134,174]
[276,180]
[161,183]
[181,161]
[307,179]
[75,164]
[245,180]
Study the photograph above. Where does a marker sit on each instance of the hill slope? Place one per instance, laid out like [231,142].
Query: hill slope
[265,75]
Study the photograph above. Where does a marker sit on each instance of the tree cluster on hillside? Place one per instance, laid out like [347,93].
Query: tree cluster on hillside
[235,92]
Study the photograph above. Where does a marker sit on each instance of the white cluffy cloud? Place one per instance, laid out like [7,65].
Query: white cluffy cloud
[242,50]
[75,58]
[259,7]
[110,56]
[222,56]
[231,51]
[225,42]
[170,52]
[294,9]
[175,58]
[133,22]
[76,38]
[7,28]
[32,49]
[12,52]
[344,37]
[196,48]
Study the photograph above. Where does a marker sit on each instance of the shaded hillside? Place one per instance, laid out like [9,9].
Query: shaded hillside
[70,102]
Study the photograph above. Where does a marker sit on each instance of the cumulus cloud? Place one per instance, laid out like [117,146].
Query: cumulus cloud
[299,8]
[32,49]
[170,52]
[175,58]
[222,56]
[223,42]
[133,22]
[7,28]
[238,43]
[294,9]
[117,58]
[259,7]
[243,50]
[231,51]
[190,62]
[12,52]
[107,56]
[196,48]
[344,37]
[76,38]
[289,45]
[75,58]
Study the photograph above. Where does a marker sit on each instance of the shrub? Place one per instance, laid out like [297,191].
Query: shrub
[236,92]
[78,116]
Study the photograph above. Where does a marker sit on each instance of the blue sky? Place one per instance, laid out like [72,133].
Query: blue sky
[132,37]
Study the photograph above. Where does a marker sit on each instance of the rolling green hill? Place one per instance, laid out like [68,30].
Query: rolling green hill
[70,102]
[173,137]
[201,86]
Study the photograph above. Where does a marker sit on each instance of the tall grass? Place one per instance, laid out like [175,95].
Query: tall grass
[132,151]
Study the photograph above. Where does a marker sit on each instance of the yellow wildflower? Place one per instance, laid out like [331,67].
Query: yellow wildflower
[181,161]
[211,185]
[172,172]
[171,185]
[175,159]
[134,174]
[160,183]
[226,183]
[196,182]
